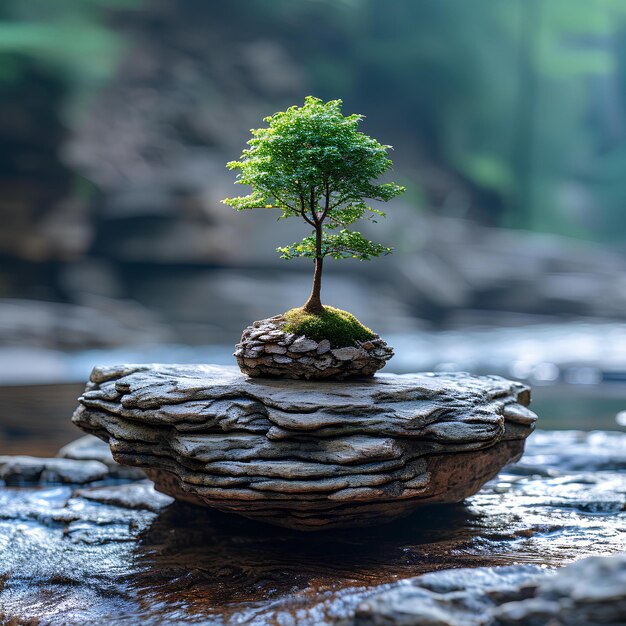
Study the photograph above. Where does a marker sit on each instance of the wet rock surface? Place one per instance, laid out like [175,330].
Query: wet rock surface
[267,350]
[117,552]
[303,454]
[592,591]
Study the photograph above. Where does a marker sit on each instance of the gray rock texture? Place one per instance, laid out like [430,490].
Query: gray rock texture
[90,448]
[308,455]
[267,350]
[18,470]
[590,592]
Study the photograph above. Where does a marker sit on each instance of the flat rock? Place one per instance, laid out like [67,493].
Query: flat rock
[323,346]
[308,455]
[139,495]
[345,354]
[88,555]
[17,470]
[90,448]
[592,591]
[460,597]
[267,350]
[302,344]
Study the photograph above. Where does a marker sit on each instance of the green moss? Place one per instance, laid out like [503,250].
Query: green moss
[339,327]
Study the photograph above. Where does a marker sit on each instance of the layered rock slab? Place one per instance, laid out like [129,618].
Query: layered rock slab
[308,455]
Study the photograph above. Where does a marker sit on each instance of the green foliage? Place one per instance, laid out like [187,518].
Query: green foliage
[312,162]
[342,245]
[339,327]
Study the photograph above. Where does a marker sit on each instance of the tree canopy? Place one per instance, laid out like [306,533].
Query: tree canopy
[313,162]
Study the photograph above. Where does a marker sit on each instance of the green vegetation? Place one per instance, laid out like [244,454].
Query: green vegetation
[313,163]
[339,327]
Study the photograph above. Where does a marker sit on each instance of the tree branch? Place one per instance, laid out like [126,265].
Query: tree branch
[293,208]
[303,211]
[312,205]
[326,200]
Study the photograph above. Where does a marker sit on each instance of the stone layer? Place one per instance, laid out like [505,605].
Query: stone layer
[305,454]
[267,350]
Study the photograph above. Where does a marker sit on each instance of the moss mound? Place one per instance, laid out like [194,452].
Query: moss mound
[339,327]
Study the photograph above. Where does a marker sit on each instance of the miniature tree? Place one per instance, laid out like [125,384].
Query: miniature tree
[312,162]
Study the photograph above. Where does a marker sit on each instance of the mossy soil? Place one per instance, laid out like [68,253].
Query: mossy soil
[339,327]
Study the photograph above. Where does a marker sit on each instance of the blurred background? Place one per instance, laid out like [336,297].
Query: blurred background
[117,117]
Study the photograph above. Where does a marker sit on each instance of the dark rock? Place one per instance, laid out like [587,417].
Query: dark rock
[139,495]
[18,470]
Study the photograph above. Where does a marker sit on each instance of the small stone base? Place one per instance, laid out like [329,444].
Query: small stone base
[267,350]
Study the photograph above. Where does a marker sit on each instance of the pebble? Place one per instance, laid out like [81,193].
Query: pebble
[302,344]
[274,348]
[323,347]
[279,358]
[345,354]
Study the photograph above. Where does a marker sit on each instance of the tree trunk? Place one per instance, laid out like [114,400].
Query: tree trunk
[314,303]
